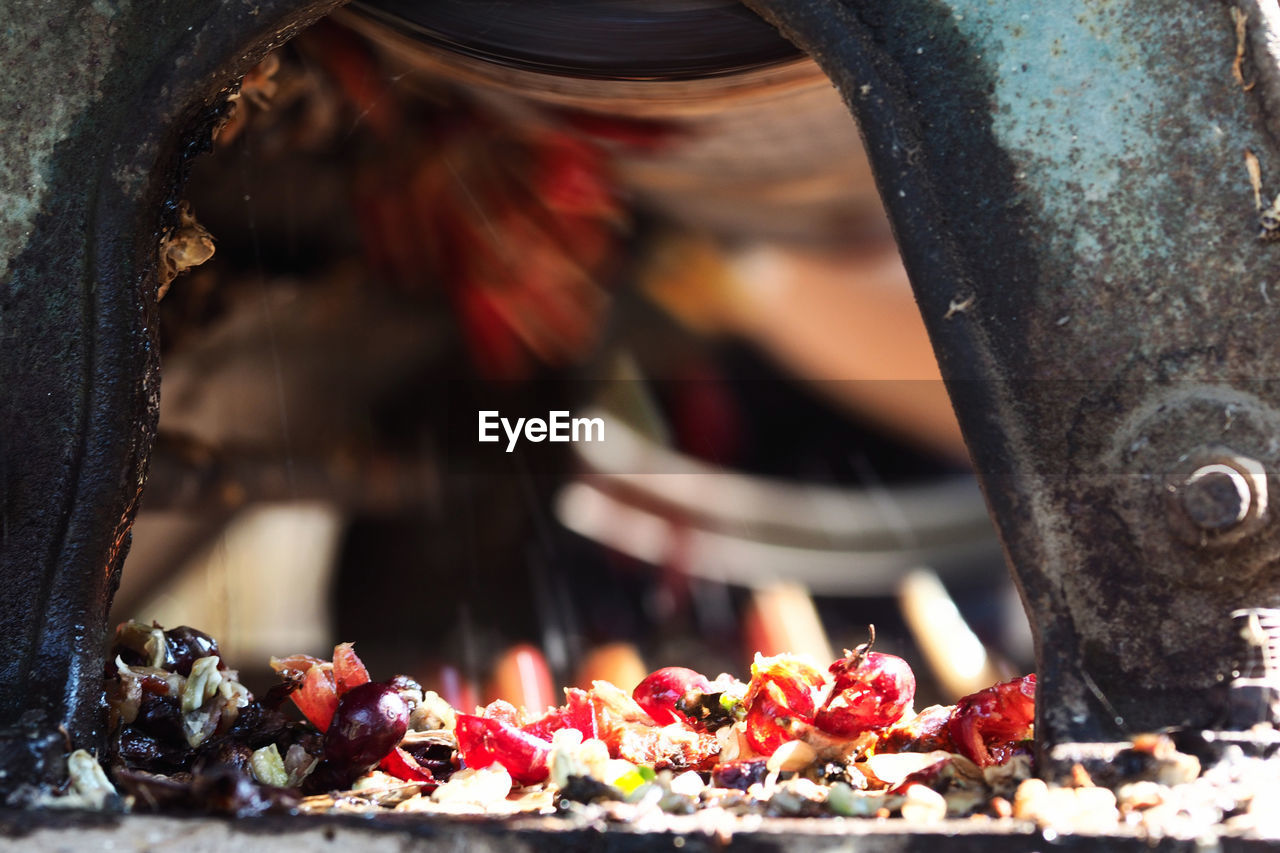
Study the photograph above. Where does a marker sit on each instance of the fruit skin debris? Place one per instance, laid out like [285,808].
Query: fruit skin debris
[992,725]
[484,741]
[781,700]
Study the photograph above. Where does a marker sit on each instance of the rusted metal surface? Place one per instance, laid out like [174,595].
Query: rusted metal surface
[1068,187]
[101,104]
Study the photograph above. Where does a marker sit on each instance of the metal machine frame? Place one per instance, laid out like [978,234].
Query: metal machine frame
[1072,196]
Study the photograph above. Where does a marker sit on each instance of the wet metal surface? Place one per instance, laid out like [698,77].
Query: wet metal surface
[101,103]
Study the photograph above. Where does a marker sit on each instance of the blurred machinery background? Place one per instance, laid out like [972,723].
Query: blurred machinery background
[421,210]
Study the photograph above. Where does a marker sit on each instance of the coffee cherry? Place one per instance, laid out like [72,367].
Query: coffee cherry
[871,691]
[186,646]
[370,722]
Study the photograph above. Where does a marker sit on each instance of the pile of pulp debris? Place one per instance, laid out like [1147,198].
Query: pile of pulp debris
[792,741]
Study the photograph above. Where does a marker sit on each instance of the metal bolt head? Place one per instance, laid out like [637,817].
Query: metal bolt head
[1216,498]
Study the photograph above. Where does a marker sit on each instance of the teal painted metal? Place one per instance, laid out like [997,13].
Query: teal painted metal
[1067,182]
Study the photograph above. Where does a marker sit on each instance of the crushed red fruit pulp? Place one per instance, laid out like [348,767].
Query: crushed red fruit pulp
[790,720]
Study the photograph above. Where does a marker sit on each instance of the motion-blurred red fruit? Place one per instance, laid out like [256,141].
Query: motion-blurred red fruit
[659,692]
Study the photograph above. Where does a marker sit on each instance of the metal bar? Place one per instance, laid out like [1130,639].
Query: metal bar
[45,830]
